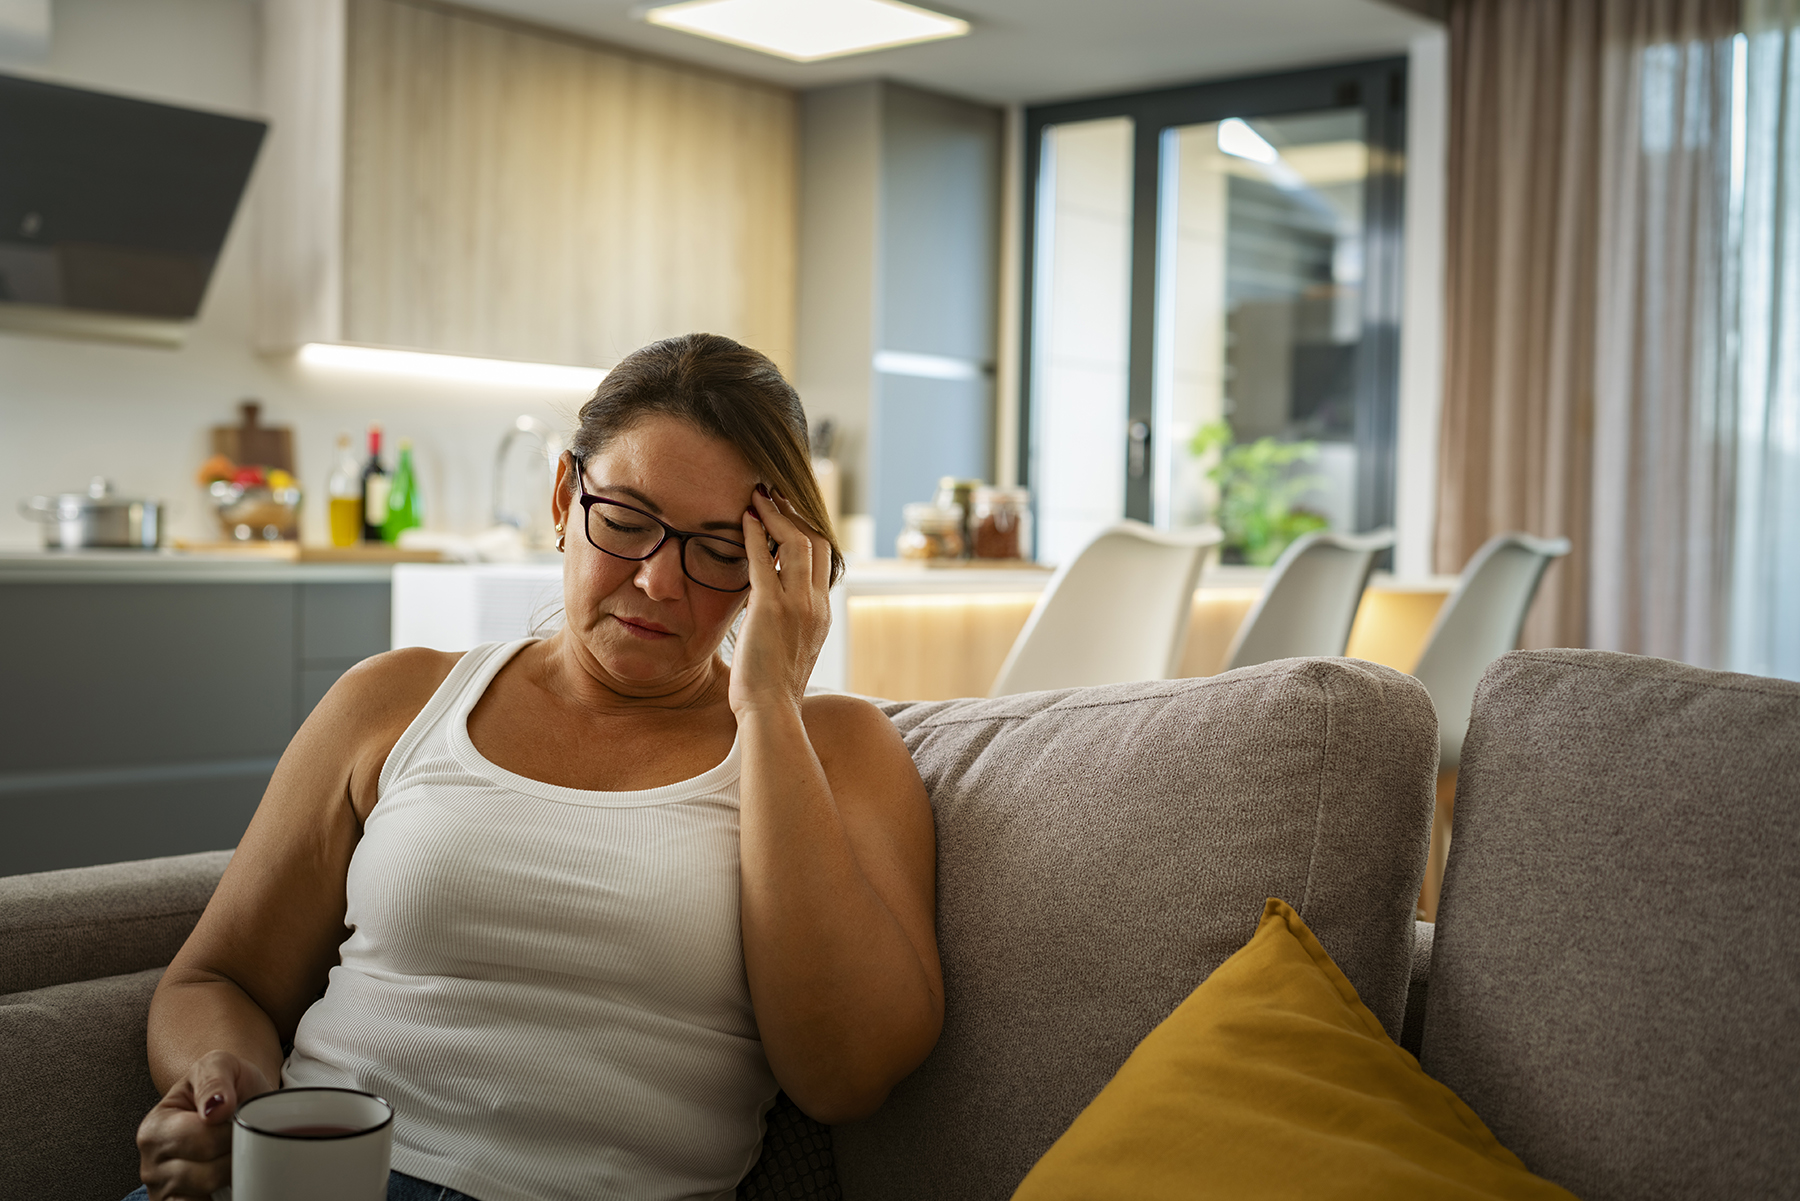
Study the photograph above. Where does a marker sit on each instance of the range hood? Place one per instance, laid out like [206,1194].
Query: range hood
[113,211]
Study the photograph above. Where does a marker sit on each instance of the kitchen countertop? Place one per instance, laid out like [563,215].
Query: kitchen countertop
[177,566]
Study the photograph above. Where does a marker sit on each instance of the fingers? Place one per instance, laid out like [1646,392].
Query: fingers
[182,1180]
[818,545]
[802,547]
[184,1144]
[220,1082]
[763,577]
[181,1153]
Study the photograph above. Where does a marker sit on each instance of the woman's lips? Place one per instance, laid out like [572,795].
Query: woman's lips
[638,628]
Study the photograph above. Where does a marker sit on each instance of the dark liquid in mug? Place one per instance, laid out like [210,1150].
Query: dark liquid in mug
[317,1131]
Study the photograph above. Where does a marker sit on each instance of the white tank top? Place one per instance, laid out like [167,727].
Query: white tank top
[547,983]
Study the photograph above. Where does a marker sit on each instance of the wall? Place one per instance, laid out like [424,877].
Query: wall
[938,299]
[840,183]
[73,409]
[899,257]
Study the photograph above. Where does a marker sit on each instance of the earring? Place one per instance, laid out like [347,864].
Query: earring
[559,537]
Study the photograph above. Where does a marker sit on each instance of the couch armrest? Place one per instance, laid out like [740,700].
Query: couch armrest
[1412,1027]
[86,923]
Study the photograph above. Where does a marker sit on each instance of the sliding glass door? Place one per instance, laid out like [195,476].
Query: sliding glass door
[1211,267]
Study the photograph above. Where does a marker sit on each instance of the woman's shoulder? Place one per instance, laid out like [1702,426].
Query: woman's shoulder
[403,673]
[837,722]
[835,710]
[392,686]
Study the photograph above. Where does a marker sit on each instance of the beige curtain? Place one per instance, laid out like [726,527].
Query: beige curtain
[1664,435]
[1577,267]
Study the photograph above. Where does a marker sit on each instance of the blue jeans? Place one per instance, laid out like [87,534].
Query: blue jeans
[401,1187]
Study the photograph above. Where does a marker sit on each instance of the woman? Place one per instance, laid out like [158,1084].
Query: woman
[577,906]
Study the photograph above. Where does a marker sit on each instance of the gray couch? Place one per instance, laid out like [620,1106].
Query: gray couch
[1609,985]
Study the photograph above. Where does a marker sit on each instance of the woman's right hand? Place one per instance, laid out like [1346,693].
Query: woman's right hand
[184,1144]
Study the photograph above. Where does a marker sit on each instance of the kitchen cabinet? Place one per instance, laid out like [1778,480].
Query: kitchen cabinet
[148,700]
[446,180]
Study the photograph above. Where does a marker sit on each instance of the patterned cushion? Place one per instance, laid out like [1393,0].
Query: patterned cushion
[796,1163]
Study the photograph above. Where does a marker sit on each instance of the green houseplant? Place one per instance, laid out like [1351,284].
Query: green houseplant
[1259,483]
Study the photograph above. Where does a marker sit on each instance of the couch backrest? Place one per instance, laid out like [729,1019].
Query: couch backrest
[88,922]
[1101,851]
[81,952]
[1615,981]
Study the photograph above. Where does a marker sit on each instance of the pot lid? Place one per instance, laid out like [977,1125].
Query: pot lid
[99,495]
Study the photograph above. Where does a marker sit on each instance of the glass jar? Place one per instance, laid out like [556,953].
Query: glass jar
[961,493]
[1000,526]
[931,531]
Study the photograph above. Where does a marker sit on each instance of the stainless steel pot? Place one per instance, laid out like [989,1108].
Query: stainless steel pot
[96,518]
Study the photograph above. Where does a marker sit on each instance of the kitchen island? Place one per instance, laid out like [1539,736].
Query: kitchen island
[903,630]
[149,694]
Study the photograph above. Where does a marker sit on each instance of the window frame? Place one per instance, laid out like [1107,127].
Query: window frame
[1378,87]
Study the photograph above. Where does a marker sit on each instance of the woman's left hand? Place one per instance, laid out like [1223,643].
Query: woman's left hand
[790,608]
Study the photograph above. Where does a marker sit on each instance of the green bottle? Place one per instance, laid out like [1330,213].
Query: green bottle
[402,498]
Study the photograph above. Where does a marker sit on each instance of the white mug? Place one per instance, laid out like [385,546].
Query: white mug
[303,1144]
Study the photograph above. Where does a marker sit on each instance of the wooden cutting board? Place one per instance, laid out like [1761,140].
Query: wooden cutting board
[251,443]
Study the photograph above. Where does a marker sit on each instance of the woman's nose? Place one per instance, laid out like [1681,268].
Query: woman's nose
[660,576]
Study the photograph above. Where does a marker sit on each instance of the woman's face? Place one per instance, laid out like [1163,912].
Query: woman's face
[646,624]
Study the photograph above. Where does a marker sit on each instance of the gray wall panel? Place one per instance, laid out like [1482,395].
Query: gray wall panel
[899,251]
[926,428]
[940,228]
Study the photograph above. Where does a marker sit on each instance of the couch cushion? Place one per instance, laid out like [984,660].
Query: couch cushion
[86,922]
[77,1085]
[1101,851]
[1615,981]
[1273,1080]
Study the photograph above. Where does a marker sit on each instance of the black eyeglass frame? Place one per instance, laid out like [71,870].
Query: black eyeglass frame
[589,500]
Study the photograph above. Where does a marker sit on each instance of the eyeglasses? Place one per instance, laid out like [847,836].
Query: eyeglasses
[626,532]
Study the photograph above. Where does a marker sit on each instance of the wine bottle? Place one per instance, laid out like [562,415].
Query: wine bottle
[402,497]
[374,489]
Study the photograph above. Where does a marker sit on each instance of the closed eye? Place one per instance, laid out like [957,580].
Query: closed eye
[626,526]
[722,553]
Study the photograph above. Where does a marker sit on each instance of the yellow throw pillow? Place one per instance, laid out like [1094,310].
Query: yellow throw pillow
[1274,1080]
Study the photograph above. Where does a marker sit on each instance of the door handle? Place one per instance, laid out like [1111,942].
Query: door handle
[1138,463]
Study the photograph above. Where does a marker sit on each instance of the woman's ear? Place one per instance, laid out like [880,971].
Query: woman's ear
[562,493]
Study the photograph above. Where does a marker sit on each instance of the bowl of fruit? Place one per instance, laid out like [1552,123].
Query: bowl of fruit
[254,504]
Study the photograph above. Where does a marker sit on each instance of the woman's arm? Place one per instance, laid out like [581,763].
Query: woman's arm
[262,950]
[839,864]
[839,856]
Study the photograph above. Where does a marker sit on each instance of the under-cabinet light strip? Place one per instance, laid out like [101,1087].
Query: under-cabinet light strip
[462,368]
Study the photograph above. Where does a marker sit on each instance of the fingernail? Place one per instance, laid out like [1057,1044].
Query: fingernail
[212,1103]
[760,488]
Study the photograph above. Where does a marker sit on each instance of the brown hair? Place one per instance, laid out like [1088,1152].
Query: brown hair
[725,390]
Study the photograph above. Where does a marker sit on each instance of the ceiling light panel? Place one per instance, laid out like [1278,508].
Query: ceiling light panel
[806,31]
